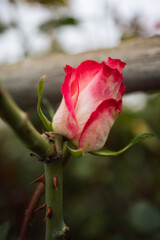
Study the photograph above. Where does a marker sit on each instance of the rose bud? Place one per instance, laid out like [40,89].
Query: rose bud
[92,100]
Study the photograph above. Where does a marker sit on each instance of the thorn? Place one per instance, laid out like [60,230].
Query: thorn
[49,213]
[40,179]
[50,136]
[41,207]
[55,182]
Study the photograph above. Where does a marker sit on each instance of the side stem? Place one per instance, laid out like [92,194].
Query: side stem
[19,121]
[55,227]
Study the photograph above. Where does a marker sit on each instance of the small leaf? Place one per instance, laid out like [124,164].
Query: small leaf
[103,152]
[4,230]
[46,122]
[49,107]
[75,152]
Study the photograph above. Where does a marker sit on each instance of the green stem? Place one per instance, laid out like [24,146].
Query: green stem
[19,121]
[49,152]
[55,227]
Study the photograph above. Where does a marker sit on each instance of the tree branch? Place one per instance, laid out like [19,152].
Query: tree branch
[141,74]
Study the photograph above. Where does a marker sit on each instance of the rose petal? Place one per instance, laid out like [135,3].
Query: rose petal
[96,130]
[105,85]
[116,64]
[64,121]
[68,68]
[84,89]
[122,89]
[86,71]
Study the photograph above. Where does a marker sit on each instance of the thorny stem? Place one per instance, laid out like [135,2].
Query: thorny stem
[19,121]
[32,205]
[55,227]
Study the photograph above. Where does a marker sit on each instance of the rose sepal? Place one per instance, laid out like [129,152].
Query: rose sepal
[45,121]
[49,107]
[73,151]
[109,153]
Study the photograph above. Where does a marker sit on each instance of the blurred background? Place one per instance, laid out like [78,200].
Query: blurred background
[104,198]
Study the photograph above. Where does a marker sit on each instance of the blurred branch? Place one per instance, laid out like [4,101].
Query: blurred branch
[142,72]
[30,210]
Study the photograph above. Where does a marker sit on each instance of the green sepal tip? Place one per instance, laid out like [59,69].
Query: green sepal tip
[108,153]
[65,152]
[45,121]
[49,107]
[75,152]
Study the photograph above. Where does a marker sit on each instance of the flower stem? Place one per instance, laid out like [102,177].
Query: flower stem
[55,227]
[49,152]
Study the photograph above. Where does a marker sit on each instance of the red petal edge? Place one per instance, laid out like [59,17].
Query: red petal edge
[68,68]
[86,71]
[96,130]
[116,64]
[72,124]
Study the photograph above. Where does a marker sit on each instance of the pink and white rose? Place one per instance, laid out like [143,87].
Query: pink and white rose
[92,100]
